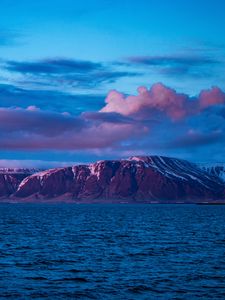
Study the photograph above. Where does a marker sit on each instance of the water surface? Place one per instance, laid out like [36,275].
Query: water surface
[112,251]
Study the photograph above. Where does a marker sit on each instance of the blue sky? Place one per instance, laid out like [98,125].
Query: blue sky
[109,31]
[63,57]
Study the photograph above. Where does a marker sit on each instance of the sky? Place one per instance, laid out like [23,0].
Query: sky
[99,79]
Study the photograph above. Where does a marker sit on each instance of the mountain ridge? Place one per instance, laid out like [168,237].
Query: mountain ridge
[137,179]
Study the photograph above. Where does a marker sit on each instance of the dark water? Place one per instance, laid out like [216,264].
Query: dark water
[112,252]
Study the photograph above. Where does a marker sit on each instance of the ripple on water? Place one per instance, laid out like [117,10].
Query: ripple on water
[112,252]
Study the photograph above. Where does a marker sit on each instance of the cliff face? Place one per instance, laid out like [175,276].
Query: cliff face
[137,179]
[9,183]
[10,178]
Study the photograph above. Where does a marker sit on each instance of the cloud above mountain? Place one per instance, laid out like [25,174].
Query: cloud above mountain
[33,129]
[156,119]
[161,100]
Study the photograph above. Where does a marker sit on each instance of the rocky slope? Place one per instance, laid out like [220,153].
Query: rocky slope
[10,179]
[137,179]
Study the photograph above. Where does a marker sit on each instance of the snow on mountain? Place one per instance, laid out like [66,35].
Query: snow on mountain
[138,179]
[18,170]
[216,169]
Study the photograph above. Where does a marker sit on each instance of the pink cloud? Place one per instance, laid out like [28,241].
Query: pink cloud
[34,120]
[211,97]
[158,98]
[163,100]
[123,121]
[33,108]
[35,129]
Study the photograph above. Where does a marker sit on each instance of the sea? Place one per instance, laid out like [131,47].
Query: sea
[106,251]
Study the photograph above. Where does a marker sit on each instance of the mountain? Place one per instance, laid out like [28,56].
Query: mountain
[10,179]
[216,169]
[142,179]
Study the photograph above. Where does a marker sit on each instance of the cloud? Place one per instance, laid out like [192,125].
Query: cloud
[160,100]
[195,138]
[110,117]
[53,66]
[181,60]
[211,97]
[66,72]
[59,101]
[196,66]
[33,129]
[28,163]
[36,121]
[156,120]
